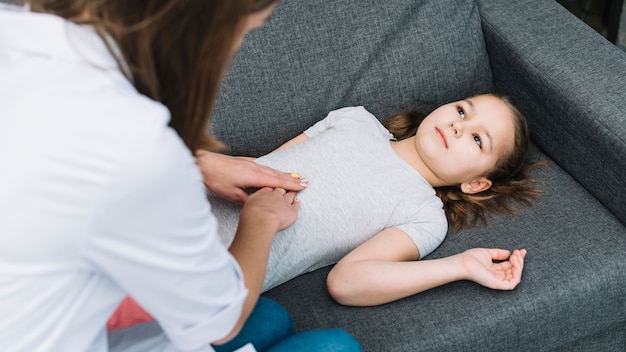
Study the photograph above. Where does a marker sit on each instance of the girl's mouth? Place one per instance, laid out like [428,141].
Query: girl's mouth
[442,137]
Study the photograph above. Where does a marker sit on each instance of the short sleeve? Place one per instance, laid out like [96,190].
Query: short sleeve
[154,235]
[428,229]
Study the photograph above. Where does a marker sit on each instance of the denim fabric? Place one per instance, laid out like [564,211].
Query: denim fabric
[270,328]
[268,324]
[328,340]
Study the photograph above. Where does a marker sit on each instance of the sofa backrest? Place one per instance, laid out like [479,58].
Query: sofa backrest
[314,56]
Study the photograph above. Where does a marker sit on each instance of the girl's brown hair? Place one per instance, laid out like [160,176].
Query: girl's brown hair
[176,51]
[510,179]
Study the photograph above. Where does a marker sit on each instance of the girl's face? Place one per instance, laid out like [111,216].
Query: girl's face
[461,142]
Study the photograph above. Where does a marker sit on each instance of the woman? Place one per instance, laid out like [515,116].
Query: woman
[90,88]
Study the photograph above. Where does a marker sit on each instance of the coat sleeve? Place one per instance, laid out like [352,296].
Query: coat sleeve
[153,233]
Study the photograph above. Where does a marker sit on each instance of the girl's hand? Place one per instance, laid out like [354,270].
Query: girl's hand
[502,274]
[229,177]
[271,206]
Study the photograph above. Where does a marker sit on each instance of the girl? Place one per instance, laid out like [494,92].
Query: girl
[102,162]
[384,197]
[382,203]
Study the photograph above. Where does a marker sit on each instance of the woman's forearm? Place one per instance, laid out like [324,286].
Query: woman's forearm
[266,212]
[374,282]
[251,248]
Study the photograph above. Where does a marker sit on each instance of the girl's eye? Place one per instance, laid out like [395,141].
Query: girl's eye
[477,140]
[461,112]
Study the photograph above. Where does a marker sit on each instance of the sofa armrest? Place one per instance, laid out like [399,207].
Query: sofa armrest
[571,83]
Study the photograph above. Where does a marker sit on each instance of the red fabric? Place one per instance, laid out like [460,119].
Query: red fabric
[128,313]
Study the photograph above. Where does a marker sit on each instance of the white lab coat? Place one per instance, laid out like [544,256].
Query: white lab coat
[99,199]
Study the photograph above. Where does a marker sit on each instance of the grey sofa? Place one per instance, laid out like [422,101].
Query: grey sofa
[317,55]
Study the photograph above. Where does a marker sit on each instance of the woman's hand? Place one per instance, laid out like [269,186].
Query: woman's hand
[502,274]
[273,206]
[229,177]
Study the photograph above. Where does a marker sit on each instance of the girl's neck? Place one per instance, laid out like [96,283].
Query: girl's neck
[407,150]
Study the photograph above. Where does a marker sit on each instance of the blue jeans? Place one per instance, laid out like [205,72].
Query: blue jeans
[270,329]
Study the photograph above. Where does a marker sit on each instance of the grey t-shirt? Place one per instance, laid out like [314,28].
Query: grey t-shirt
[358,187]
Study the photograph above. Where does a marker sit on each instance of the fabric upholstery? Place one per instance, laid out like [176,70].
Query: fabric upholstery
[315,56]
[569,289]
[303,64]
[571,82]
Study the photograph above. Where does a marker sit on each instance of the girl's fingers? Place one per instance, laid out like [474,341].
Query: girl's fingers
[506,265]
[499,254]
[518,259]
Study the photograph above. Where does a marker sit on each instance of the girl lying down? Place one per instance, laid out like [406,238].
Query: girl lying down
[376,203]
[381,198]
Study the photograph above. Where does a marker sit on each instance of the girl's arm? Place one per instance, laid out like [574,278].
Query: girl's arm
[290,143]
[386,268]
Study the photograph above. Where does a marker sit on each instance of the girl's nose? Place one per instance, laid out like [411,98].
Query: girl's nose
[457,128]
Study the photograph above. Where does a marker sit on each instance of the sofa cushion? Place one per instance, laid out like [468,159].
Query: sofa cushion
[315,56]
[570,82]
[568,289]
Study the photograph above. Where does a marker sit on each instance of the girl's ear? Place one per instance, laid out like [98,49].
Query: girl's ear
[475,186]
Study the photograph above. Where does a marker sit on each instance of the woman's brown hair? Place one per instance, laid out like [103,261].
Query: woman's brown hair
[510,179]
[176,51]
